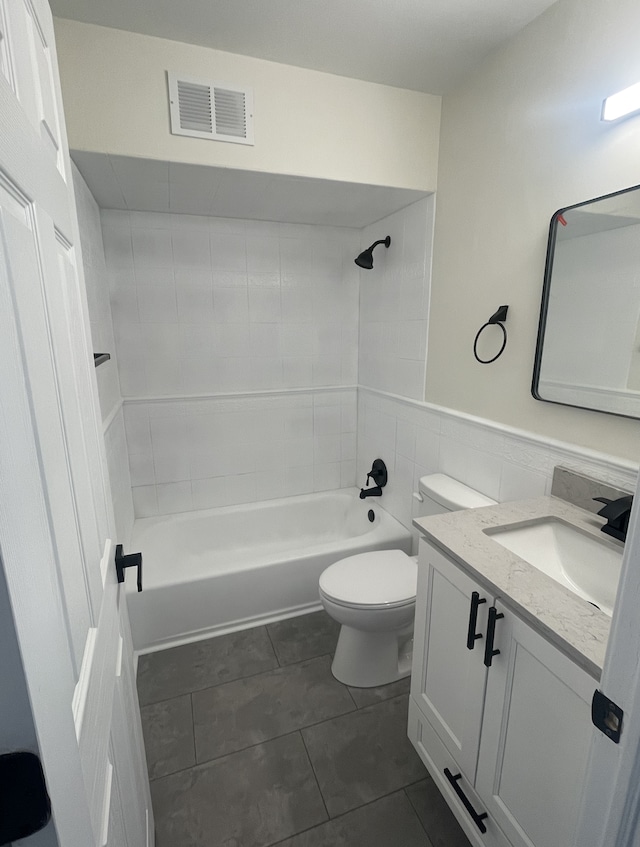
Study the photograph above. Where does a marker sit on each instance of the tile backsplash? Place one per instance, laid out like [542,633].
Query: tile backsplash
[580,489]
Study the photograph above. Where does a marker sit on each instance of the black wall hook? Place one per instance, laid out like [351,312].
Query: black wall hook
[497,319]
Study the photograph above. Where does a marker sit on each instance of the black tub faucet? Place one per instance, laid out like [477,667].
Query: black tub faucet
[617,513]
[378,474]
[376,491]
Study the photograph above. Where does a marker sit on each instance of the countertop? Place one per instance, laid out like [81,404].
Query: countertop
[575,626]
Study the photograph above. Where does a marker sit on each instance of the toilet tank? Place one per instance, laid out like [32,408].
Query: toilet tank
[440,493]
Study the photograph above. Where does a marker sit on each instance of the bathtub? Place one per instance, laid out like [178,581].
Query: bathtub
[214,571]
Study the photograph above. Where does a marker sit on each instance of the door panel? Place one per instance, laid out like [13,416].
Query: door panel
[535,738]
[448,680]
[56,518]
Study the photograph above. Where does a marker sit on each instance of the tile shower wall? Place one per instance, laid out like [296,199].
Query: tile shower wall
[394,302]
[229,333]
[95,276]
[415,439]
[197,454]
[103,341]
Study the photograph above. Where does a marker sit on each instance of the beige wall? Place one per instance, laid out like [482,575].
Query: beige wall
[306,123]
[520,139]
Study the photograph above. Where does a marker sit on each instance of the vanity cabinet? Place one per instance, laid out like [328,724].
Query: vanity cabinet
[501,721]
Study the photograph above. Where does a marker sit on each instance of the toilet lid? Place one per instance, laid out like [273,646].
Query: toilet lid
[376,578]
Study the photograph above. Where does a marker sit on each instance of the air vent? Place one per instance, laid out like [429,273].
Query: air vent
[204,109]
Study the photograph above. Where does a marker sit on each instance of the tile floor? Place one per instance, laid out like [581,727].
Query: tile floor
[251,742]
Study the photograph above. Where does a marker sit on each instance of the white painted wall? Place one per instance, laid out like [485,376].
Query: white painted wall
[209,313]
[394,302]
[307,123]
[520,139]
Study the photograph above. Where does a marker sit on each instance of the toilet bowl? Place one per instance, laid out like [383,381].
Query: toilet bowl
[373,596]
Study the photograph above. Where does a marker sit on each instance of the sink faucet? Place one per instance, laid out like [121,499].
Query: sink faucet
[617,513]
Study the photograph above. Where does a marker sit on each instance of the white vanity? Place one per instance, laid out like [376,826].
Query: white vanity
[506,661]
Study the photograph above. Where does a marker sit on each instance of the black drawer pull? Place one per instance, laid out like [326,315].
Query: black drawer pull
[472,635]
[489,652]
[475,817]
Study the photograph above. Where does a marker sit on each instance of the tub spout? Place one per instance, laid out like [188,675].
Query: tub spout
[376,491]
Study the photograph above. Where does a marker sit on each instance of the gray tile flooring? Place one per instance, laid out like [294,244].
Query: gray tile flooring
[251,742]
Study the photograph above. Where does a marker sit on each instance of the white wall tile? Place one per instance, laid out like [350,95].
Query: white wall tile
[174,497]
[145,501]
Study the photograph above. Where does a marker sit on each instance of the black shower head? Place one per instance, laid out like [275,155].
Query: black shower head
[365,259]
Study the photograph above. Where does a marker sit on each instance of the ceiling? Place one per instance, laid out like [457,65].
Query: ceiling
[424,45]
[145,185]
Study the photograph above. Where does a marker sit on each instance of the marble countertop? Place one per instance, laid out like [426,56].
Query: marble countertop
[579,629]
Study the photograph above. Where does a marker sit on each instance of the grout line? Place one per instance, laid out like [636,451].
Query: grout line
[273,646]
[415,812]
[193,730]
[315,775]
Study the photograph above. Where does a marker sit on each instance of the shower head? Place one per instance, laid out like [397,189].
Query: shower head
[365,259]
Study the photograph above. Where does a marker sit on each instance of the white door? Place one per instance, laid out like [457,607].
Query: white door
[56,520]
[535,738]
[448,675]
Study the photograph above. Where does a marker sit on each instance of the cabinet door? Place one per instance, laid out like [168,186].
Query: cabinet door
[535,738]
[448,679]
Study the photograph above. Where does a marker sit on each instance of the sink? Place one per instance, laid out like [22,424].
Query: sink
[588,566]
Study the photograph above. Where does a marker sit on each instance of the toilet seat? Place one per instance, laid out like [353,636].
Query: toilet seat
[380,579]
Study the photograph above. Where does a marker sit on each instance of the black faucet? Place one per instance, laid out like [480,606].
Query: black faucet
[617,513]
[378,474]
[376,491]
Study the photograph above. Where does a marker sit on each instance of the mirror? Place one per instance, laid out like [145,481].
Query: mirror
[588,350]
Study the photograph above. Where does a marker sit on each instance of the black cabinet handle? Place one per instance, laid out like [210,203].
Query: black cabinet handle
[489,652]
[475,817]
[472,635]
[132,560]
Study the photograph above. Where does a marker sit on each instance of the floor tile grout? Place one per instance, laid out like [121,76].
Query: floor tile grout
[282,735]
[273,646]
[350,811]
[300,729]
[415,812]
[238,678]
[315,776]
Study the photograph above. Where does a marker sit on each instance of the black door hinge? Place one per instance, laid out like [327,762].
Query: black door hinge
[607,716]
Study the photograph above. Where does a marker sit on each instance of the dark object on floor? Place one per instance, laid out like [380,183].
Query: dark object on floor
[24,803]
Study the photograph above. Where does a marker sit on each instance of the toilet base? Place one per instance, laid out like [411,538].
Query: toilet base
[368,659]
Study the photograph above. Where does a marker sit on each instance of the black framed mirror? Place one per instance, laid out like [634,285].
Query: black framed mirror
[588,348]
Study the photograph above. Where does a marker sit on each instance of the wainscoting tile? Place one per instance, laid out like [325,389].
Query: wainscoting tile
[364,755]
[253,798]
[304,637]
[389,822]
[249,711]
[168,736]
[192,667]
[436,816]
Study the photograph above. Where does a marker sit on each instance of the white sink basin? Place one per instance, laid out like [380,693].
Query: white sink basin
[590,567]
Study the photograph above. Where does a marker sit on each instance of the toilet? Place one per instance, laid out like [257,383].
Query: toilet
[373,596]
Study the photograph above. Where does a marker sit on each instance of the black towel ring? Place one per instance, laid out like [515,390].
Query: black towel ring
[495,320]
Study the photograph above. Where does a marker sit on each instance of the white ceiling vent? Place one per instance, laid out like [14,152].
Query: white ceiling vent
[205,109]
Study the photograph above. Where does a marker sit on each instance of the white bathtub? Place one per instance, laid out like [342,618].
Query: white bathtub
[222,569]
